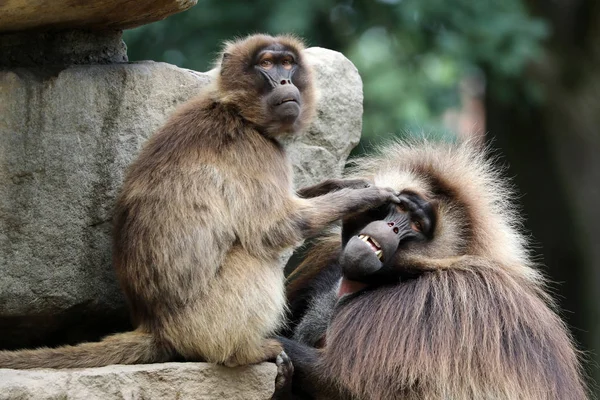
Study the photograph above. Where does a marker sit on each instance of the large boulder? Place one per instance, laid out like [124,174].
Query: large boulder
[322,152]
[181,381]
[66,136]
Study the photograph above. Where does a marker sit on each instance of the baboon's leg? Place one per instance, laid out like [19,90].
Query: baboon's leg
[227,323]
[266,350]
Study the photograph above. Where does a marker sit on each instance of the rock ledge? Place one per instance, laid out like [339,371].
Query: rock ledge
[20,15]
[182,381]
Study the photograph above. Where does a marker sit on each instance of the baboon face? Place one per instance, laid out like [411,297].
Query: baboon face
[276,67]
[373,243]
[269,82]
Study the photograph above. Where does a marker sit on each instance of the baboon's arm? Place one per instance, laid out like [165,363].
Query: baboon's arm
[318,212]
[331,185]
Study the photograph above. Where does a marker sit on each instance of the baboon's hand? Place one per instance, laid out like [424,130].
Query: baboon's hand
[374,196]
[283,381]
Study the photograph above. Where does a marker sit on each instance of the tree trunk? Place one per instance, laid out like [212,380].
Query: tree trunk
[553,148]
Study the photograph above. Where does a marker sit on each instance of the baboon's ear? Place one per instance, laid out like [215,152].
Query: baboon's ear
[224,57]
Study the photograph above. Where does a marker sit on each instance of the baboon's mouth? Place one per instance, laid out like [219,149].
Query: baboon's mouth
[287,100]
[375,246]
[348,286]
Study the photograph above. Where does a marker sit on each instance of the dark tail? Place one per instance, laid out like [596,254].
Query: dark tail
[123,348]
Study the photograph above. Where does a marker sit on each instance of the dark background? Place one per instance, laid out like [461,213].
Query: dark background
[520,75]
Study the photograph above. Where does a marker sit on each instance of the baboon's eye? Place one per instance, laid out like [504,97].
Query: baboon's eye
[401,207]
[417,226]
[266,63]
[287,63]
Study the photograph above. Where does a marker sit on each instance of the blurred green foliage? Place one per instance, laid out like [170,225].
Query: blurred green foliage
[411,54]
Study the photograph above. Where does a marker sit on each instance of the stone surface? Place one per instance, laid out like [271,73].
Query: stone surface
[20,15]
[181,381]
[323,150]
[61,48]
[66,136]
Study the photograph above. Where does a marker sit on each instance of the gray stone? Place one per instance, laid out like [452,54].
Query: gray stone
[322,152]
[61,48]
[66,137]
[181,381]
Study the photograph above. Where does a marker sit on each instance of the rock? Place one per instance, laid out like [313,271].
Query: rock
[20,15]
[31,49]
[322,152]
[181,381]
[66,136]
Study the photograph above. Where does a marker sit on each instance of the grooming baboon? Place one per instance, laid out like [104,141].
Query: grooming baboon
[204,213]
[434,299]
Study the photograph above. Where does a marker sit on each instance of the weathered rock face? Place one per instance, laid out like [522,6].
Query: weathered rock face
[323,150]
[182,381]
[19,15]
[47,49]
[66,136]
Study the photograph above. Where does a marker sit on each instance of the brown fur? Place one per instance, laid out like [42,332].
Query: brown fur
[476,324]
[203,215]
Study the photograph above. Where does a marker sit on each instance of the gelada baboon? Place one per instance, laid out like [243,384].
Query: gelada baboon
[432,298]
[204,213]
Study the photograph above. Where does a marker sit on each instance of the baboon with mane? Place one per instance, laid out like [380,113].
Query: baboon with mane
[433,298]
